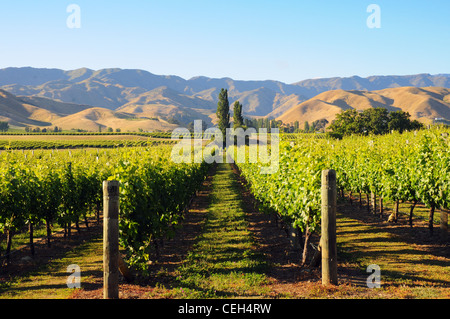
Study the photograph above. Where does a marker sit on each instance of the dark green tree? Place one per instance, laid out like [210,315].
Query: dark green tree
[416,125]
[374,120]
[306,127]
[191,126]
[320,124]
[266,123]
[345,123]
[237,115]
[260,123]
[223,112]
[400,121]
[4,126]
[296,126]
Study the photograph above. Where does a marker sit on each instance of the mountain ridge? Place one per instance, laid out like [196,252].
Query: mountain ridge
[29,77]
[172,99]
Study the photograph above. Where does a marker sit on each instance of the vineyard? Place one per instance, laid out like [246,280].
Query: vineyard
[46,189]
[63,187]
[410,167]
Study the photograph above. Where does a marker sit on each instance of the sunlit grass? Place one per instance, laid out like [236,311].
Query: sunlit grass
[223,263]
[406,269]
[49,281]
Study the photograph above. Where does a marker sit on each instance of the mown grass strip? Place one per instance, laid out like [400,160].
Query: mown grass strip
[223,263]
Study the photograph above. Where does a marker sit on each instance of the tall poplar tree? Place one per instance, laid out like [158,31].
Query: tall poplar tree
[223,112]
[237,115]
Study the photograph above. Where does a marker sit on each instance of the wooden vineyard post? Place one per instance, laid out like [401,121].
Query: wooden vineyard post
[110,239]
[444,224]
[328,239]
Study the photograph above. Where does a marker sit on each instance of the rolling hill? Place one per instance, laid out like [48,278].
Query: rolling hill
[22,111]
[423,104]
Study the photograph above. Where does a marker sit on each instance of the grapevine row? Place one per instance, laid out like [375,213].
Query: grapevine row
[27,145]
[62,187]
[410,167]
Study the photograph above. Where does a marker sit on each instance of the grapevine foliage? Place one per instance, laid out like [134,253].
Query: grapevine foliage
[412,166]
[64,186]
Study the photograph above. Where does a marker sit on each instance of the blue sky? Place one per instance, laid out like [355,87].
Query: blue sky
[282,40]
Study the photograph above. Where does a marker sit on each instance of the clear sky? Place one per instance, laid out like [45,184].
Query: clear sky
[284,40]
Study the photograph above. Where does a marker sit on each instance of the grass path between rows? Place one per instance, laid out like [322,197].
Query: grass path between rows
[224,262]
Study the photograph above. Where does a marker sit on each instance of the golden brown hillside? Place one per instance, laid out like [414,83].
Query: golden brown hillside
[92,118]
[423,104]
[20,113]
[170,106]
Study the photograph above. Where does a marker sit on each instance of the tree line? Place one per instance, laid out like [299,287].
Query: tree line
[223,114]
[371,121]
